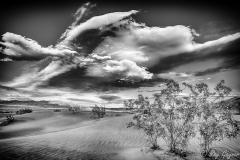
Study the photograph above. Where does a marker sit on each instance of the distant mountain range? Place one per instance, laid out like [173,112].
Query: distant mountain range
[33,103]
[235,104]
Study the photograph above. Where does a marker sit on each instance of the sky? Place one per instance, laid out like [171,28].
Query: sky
[86,53]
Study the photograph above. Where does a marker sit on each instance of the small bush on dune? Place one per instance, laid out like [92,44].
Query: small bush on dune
[75,109]
[57,110]
[9,120]
[6,111]
[23,111]
[98,112]
[130,105]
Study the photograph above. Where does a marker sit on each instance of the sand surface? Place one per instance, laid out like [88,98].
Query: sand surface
[44,134]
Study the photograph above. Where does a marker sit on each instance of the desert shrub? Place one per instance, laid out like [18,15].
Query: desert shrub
[130,105]
[57,110]
[176,119]
[169,117]
[6,111]
[213,114]
[175,116]
[75,109]
[145,118]
[23,111]
[98,112]
[9,119]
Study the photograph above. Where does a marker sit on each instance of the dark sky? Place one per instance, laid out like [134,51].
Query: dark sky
[45,21]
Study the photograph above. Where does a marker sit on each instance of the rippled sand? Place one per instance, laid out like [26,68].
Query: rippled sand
[76,136]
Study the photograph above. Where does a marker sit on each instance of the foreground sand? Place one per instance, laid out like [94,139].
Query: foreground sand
[45,134]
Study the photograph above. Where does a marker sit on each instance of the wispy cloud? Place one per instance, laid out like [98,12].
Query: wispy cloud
[82,100]
[173,75]
[18,47]
[97,22]
[6,59]
[35,78]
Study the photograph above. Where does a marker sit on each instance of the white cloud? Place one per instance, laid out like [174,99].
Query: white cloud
[136,56]
[97,22]
[127,55]
[220,41]
[181,77]
[33,79]
[20,47]
[124,69]
[128,68]
[173,75]
[149,44]
[97,57]
[6,59]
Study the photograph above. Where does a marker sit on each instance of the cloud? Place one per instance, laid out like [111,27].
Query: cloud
[229,60]
[181,77]
[8,88]
[220,41]
[226,66]
[97,22]
[110,97]
[124,69]
[173,75]
[82,100]
[146,44]
[6,59]
[82,14]
[33,79]
[8,93]
[112,50]
[135,56]
[97,57]
[86,36]
[149,45]
[24,48]
[216,29]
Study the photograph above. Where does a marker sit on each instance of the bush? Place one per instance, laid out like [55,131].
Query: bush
[130,105]
[98,112]
[75,109]
[145,118]
[169,117]
[9,120]
[23,111]
[176,119]
[214,117]
[57,110]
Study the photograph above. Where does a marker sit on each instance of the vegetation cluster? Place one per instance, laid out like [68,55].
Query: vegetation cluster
[24,111]
[177,119]
[98,112]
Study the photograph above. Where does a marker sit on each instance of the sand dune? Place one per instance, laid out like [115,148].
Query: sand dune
[76,136]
